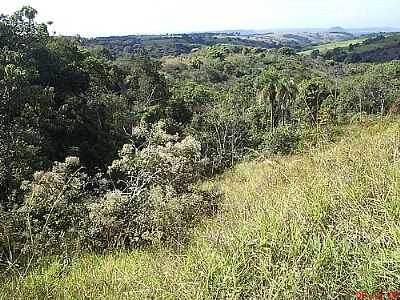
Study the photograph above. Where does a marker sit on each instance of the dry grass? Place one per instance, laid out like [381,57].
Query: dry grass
[317,226]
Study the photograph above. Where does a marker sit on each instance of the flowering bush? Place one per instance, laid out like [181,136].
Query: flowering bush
[150,195]
[56,205]
[155,196]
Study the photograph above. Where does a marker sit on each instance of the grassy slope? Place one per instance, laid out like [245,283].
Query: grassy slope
[341,44]
[317,226]
[393,40]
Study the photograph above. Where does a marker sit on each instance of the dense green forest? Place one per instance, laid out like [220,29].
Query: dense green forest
[101,151]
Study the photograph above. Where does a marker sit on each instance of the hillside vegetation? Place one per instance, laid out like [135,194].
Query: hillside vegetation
[323,48]
[103,154]
[321,225]
[378,48]
[176,44]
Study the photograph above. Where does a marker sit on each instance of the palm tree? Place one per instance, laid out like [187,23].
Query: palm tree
[286,94]
[267,84]
[314,92]
[277,90]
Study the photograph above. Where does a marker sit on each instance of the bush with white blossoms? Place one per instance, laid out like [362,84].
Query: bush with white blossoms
[148,195]
[155,196]
[56,205]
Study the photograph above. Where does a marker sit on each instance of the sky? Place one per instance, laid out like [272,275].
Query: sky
[90,18]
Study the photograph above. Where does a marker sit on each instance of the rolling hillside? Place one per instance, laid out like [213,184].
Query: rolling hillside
[376,48]
[323,48]
[322,225]
[177,44]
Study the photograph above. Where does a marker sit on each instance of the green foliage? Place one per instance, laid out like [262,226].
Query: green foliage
[379,48]
[60,100]
[279,92]
[155,196]
[60,90]
[20,32]
[187,99]
[283,140]
[55,206]
[143,82]
[158,46]
[313,93]
[315,53]
[13,239]
[287,51]
[127,178]
[51,219]
[224,131]
[372,89]
[303,227]
[19,156]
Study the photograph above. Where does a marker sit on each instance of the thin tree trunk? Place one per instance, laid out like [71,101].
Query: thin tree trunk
[272,115]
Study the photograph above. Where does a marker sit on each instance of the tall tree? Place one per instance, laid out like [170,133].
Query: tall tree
[277,90]
[286,94]
[312,93]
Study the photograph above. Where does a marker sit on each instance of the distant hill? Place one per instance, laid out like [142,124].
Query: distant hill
[174,44]
[177,44]
[299,39]
[336,29]
[369,30]
[325,47]
[354,31]
[377,48]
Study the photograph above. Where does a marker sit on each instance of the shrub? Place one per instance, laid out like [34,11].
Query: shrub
[52,218]
[226,132]
[283,140]
[18,156]
[161,213]
[155,196]
[55,205]
[13,238]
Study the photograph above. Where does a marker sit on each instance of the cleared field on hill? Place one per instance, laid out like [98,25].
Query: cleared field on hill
[325,47]
[321,225]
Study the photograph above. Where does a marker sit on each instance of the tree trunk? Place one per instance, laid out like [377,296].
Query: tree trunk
[272,115]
